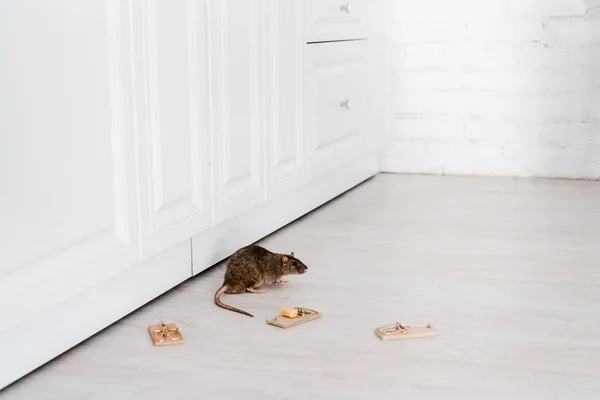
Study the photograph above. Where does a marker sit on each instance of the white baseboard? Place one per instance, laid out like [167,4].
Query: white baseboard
[220,242]
[440,158]
[45,336]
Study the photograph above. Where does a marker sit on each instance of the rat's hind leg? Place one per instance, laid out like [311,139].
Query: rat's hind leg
[235,289]
[253,284]
[258,291]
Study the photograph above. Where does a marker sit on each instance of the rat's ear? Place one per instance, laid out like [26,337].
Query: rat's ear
[292,254]
[285,259]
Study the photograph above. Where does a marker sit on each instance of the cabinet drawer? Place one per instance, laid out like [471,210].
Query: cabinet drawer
[336,107]
[335,19]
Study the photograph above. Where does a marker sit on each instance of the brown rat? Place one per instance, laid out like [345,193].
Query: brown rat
[252,266]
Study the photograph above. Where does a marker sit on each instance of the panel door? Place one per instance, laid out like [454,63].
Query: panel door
[238,98]
[337,98]
[174,129]
[286,167]
[67,162]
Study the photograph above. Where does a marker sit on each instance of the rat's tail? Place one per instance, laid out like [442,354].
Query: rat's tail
[225,306]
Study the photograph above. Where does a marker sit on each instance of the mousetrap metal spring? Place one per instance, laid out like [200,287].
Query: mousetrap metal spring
[165,331]
[302,312]
[403,331]
[399,328]
[165,334]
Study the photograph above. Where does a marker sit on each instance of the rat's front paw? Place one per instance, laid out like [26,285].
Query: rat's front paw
[281,282]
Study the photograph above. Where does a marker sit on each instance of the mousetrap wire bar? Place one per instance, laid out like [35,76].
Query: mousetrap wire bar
[402,331]
[304,315]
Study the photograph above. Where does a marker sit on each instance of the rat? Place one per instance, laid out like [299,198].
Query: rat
[252,266]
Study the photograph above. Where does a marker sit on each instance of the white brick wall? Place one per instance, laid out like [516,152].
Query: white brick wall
[497,87]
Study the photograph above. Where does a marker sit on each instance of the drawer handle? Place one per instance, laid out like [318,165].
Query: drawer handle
[345,7]
[344,104]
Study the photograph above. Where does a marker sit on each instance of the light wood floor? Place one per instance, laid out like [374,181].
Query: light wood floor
[507,270]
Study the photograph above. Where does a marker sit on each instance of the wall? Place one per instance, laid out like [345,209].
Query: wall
[503,87]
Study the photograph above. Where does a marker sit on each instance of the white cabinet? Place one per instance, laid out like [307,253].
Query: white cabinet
[238,98]
[338,90]
[285,155]
[68,203]
[173,121]
[143,141]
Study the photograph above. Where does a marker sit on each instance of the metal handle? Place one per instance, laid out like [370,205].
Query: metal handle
[344,104]
[345,7]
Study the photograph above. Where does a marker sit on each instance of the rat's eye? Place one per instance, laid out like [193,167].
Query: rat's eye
[294,262]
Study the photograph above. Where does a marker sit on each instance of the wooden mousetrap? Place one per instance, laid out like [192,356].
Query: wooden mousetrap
[165,334]
[400,331]
[289,317]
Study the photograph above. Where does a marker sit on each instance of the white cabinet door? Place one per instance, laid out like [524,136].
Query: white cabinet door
[285,141]
[67,159]
[337,97]
[238,80]
[172,93]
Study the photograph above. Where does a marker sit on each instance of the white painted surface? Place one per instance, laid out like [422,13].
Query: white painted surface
[173,103]
[238,129]
[381,117]
[326,20]
[336,101]
[212,246]
[506,269]
[285,155]
[506,87]
[68,203]
[131,127]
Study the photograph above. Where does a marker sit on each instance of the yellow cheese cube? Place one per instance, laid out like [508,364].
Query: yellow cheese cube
[288,312]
